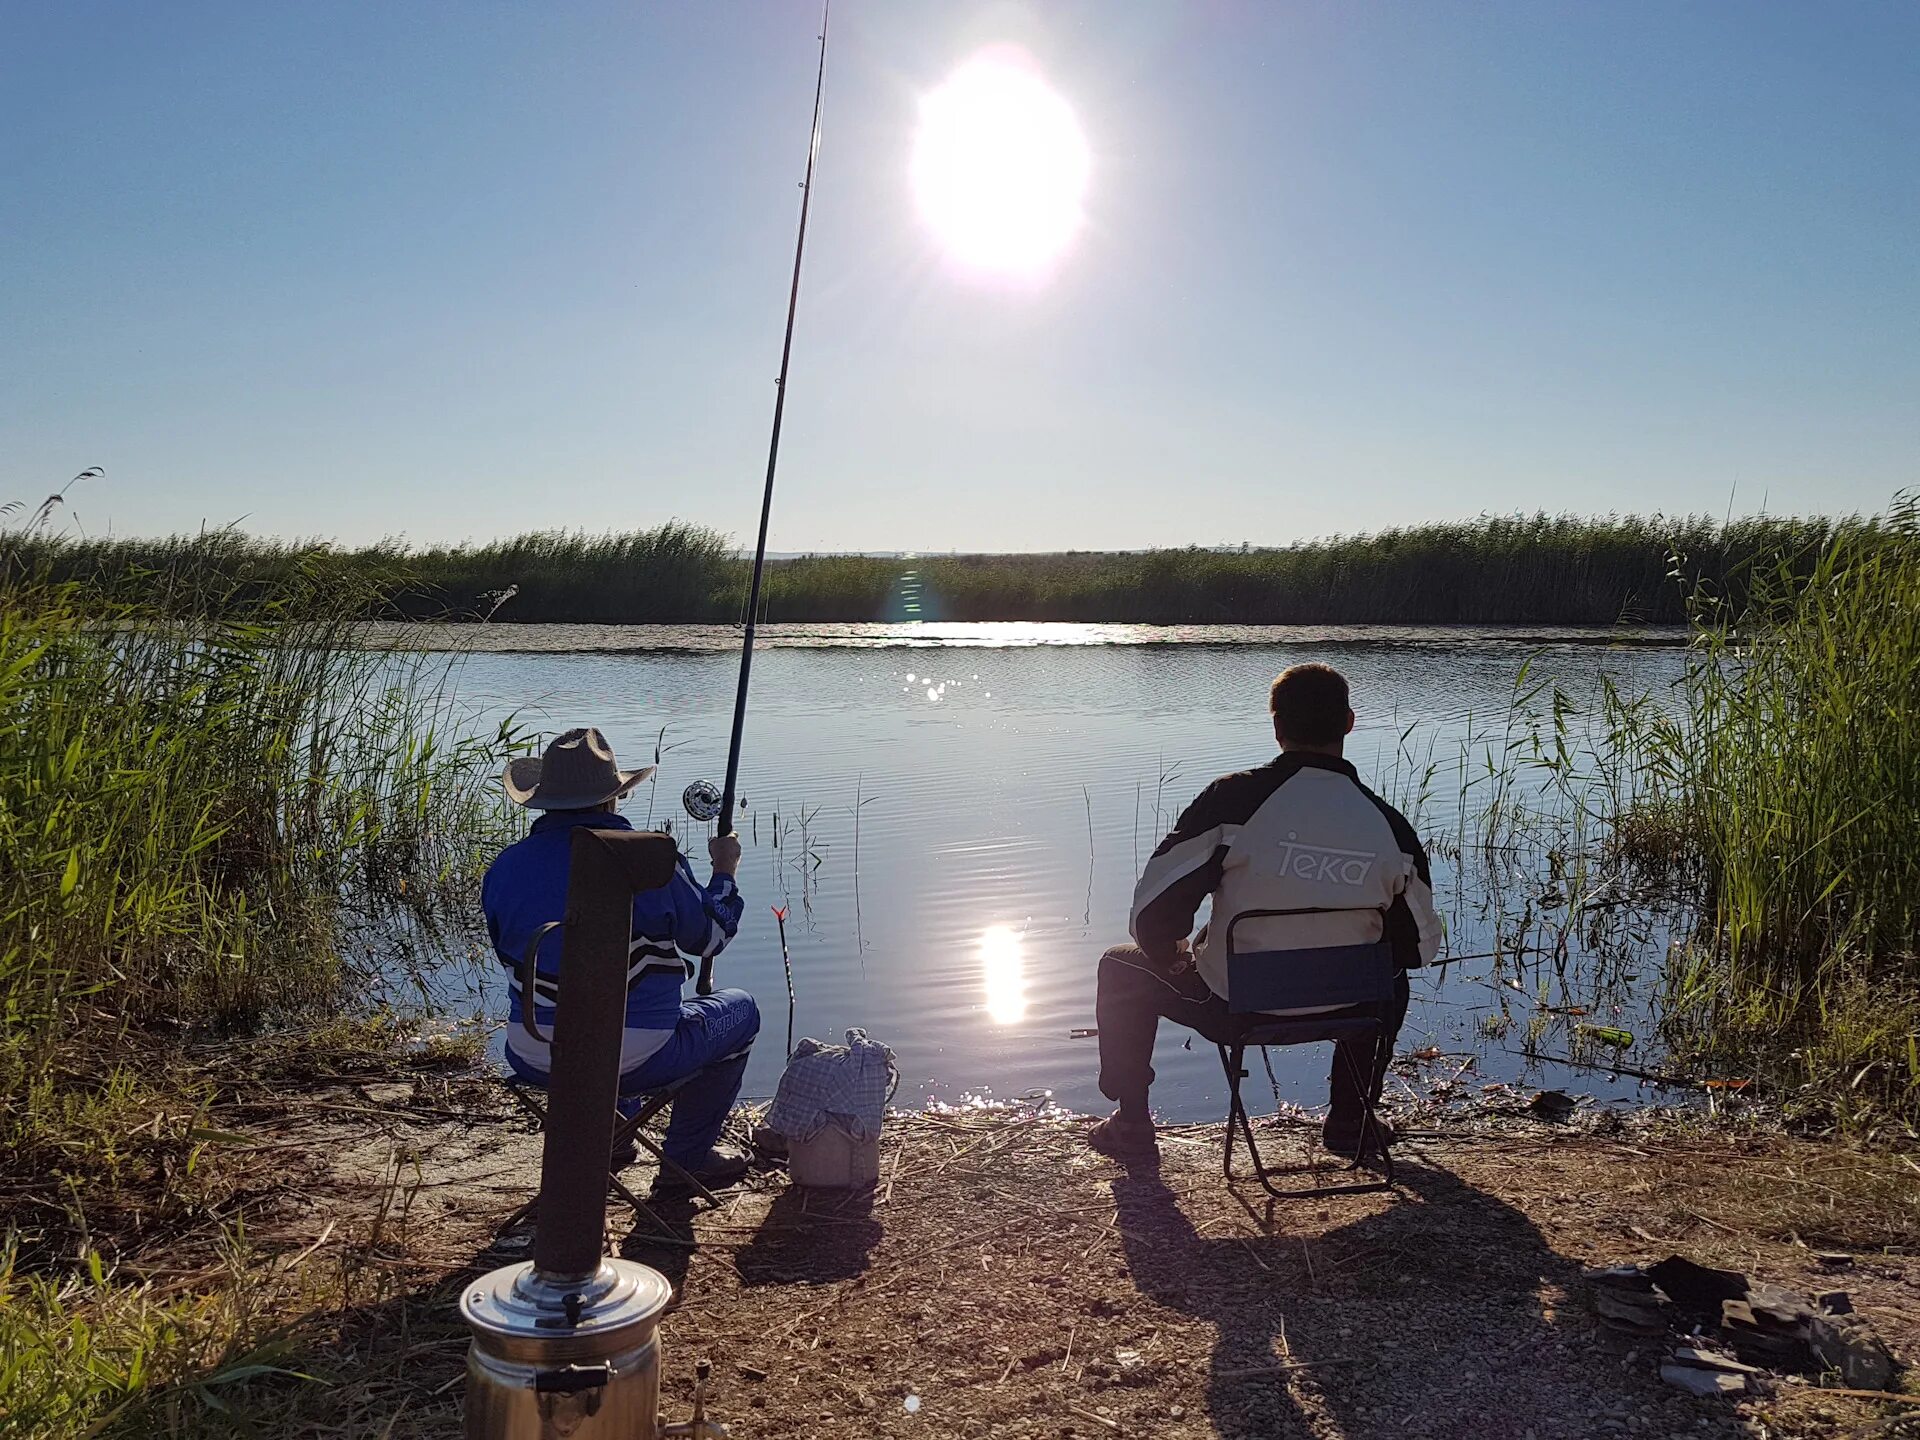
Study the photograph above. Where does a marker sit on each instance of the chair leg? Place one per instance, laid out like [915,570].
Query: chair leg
[1230,1063]
[1371,1131]
[519,1215]
[1372,1134]
[663,1232]
[631,1128]
[535,1110]
[634,1129]
[1234,1063]
[626,1128]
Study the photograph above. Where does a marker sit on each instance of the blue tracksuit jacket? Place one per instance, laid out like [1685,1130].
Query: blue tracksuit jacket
[526,887]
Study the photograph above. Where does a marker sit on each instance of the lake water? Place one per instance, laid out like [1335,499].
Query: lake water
[954,816]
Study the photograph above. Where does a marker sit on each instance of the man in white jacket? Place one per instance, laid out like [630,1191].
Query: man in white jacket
[1299,834]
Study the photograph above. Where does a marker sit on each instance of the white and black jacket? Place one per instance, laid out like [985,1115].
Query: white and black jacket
[1299,833]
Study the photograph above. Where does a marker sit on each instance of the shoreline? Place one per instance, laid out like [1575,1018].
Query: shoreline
[475,636]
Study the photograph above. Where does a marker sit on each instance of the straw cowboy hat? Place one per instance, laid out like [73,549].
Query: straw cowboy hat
[578,772]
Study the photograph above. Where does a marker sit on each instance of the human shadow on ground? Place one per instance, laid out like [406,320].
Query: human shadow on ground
[1428,1317]
[804,1238]
[661,1236]
[667,1246]
[811,1237]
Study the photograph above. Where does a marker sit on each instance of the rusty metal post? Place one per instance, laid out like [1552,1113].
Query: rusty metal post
[607,868]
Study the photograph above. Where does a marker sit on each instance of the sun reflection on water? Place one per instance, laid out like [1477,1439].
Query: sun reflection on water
[1003,973]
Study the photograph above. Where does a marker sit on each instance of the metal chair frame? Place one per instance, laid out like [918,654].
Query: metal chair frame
[1306,1030]
[627,1129]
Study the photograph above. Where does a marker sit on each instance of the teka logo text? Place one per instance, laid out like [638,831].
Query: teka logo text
[1324,863]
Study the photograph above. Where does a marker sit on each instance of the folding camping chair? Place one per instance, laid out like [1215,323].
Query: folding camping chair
[628,1129]
[1331,975]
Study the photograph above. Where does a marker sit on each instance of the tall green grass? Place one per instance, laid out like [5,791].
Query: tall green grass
[1784,791]
[1537,569]
[218,810]
[215,807]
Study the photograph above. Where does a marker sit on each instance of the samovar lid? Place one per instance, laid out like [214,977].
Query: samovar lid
[518,1302]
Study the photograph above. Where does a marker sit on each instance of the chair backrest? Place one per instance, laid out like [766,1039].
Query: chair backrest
[1309,977]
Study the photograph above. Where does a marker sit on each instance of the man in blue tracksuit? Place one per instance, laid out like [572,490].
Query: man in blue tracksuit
[577,782]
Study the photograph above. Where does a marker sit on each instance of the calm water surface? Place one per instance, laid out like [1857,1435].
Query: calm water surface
[954,816]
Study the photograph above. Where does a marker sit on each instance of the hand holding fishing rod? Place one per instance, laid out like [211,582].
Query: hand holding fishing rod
[699,799]
[724,852]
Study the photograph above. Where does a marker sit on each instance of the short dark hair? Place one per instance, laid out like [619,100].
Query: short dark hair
[1309,704]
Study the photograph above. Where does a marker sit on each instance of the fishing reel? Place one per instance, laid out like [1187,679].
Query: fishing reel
[704,802]
[701,800]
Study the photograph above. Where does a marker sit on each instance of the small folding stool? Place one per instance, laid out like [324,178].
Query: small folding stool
[1343,976]
[627,1130]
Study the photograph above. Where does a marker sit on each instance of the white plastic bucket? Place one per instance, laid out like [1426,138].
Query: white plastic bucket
[834,1160]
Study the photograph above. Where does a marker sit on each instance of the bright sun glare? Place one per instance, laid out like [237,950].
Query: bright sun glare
[1000,166]
[1003,973]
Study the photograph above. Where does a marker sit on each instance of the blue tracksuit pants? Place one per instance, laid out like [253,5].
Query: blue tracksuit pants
[712,1042]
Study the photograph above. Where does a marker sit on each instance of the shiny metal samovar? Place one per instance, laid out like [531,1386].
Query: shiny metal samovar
[571,1361]
[566,1345]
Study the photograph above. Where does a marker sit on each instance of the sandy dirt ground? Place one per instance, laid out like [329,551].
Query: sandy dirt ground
[1002,1279]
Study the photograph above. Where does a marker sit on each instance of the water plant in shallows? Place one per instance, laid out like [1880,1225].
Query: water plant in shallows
[1775,795]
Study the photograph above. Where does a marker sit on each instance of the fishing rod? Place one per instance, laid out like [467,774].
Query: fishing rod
[700,801]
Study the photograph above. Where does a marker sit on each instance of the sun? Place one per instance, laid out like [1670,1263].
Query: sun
[1000,166]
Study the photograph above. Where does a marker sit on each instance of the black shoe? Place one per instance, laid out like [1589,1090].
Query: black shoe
[623,1156]
[1345,1138]
[1124,1139]
[721,1166]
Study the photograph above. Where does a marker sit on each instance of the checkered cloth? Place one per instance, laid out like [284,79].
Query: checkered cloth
[845,1085]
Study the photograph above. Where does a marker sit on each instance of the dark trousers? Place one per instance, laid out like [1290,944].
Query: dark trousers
[712,1042]
[1133,995]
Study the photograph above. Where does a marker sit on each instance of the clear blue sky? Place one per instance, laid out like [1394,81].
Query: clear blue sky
[451,270]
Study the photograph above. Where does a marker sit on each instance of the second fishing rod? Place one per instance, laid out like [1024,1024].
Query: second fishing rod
[700,801]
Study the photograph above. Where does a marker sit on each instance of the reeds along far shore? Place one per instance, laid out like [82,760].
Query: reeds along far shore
[1539,569]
